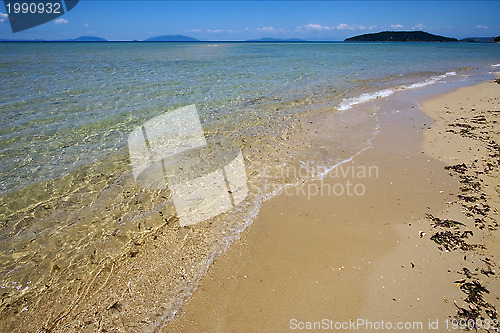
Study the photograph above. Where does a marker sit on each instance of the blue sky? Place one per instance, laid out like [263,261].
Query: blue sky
[241,20]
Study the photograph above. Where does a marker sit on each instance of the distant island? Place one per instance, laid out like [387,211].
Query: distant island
[273,40]
[87,39]
[478,40]
[23,40]
[172,38]
[385,36]
[400,36]
[79,39]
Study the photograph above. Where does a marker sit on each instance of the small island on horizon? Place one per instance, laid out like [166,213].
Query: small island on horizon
[274,40]
[87,39]
[400,36]
[384,36]
[172,38]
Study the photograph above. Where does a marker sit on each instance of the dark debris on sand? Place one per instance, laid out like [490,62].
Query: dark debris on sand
[453,235]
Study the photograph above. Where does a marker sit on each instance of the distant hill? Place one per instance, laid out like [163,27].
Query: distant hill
[23,40]
[87,39]
[400,36]
[478,40]
[268,39]
[497,39]
[172,38]
[79,39]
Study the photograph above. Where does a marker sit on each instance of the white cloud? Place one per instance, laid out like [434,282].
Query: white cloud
[314,27]
[195,30]
[3,17]
[266,29]
[341,26]
[418,27]
[61,21]
[481,27]
[86,25]
[396,26]
[344,26]
[216,31]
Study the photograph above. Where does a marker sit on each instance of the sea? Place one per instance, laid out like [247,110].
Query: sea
[72,204]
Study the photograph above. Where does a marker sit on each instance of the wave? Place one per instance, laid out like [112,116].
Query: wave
[495,65]
[348,103]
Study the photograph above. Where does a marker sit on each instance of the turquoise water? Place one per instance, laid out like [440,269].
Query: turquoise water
[68,202]
[66,105]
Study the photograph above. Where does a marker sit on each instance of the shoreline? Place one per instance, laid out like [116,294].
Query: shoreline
[297,260]
[147,282]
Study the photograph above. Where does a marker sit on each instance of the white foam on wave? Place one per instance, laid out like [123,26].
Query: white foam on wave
[348,103]
[427,82]
[495,65]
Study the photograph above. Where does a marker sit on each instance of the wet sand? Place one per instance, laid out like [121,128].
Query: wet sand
[311,256]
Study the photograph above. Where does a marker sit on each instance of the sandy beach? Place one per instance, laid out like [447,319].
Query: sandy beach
[372,203]
[415,247]
[401,237]
[249,166]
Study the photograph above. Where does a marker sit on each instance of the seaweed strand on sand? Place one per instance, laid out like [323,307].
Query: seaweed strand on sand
[480,126]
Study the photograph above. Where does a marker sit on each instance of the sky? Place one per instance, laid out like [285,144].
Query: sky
[243,20]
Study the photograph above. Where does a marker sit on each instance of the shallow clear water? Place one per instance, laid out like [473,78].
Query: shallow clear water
[69,204]
[65,105]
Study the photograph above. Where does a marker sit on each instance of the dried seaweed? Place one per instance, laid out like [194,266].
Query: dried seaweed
[459,168]
[444,223]
[451,241]
[474,201]
[480,119]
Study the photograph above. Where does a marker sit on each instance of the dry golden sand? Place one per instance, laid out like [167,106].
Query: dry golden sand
[367,257]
